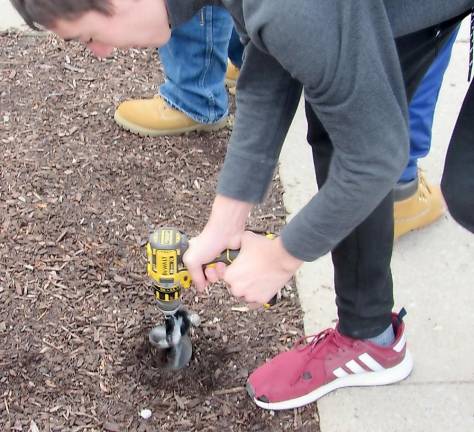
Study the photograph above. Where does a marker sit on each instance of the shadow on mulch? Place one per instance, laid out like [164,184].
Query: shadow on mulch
[78,199]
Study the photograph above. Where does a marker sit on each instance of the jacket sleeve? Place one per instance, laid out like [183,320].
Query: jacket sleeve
[344,54]
[408,16]
[267,98]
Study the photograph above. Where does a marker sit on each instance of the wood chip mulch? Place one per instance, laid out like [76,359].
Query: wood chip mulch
[78,198]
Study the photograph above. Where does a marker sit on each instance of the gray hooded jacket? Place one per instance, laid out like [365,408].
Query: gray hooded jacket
[342,53]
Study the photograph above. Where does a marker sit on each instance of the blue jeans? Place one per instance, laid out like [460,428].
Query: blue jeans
[422,107]
[195,63]
[236,49]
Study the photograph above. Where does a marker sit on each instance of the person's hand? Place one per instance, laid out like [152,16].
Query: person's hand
[223,231]
[261,269]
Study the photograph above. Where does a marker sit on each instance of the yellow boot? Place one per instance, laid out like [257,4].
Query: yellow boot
[154,117]
[231,76]
[422,208]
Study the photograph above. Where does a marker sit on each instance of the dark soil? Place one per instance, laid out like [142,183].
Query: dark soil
[78,199]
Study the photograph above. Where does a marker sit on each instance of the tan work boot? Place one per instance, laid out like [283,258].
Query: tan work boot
[420,209]
[154,117]
[231,76]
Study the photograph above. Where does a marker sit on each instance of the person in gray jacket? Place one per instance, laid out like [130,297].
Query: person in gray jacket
[356,89]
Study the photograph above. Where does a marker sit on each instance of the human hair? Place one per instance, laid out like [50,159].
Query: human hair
[45,12]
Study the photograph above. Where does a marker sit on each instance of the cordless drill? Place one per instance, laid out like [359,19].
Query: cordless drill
[165,266]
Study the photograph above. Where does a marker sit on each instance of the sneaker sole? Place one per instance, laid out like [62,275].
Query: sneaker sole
[387,376]
[139,130]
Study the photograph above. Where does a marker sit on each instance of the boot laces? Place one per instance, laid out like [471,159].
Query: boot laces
[424,190]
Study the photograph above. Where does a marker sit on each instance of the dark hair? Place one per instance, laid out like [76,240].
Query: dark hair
[45,12]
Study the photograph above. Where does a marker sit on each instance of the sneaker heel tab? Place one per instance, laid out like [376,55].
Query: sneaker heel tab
[401,315]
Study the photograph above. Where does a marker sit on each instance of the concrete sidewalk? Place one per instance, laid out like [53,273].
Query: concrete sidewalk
[433,278]
[9,17]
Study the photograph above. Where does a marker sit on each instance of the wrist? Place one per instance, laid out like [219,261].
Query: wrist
[229,213]
[288,262]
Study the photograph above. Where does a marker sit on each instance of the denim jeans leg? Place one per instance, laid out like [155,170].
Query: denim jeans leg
[195,61]
[236,49]
[422,107]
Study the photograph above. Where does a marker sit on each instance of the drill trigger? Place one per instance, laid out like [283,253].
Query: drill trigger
[184,279]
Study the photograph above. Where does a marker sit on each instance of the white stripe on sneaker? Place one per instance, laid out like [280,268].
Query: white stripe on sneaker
[340,373]
[370,362]
[400,344]
[355,367]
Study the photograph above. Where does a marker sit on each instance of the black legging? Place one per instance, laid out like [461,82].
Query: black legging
[362,276]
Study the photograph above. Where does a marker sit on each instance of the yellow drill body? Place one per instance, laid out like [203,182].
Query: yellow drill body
[165,250]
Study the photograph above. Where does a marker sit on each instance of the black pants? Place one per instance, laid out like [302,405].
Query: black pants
[362,276]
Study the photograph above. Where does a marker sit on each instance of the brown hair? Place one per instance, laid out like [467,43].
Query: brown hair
[45,12]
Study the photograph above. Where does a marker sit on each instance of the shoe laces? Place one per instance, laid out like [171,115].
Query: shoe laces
[317,341]
[424,190]
[327,338]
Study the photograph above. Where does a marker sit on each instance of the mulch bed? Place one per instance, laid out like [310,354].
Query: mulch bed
[78,199]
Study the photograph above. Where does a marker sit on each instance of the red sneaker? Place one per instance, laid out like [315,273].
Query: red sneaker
[327,362]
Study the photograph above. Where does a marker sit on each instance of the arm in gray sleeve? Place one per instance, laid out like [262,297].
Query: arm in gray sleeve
[267,98]
[408,16]
[344,54]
